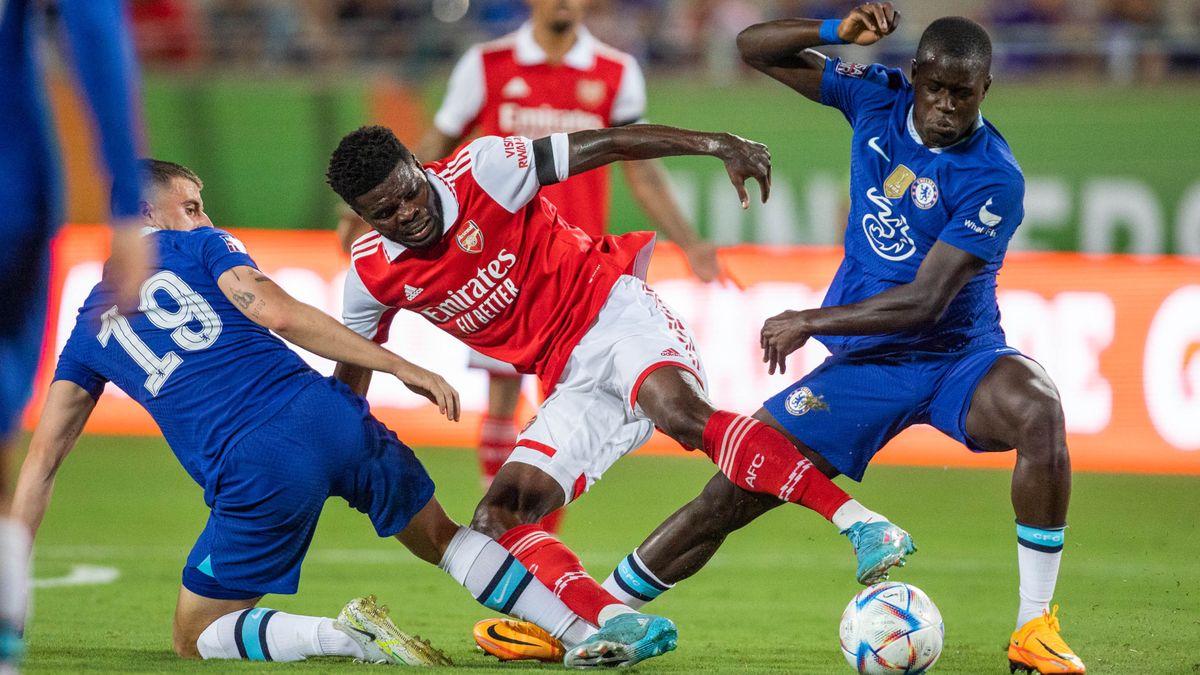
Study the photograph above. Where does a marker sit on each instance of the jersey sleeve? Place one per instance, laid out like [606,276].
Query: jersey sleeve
[361,312]
[512,169]
[220,251]
[72,365]
[854,87]
[103,56]
[984,222]
[629,107]
[464,95]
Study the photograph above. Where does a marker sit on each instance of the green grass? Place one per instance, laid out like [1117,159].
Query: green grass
[768,602]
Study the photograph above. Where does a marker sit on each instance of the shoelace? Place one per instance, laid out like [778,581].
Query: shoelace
[1051,618]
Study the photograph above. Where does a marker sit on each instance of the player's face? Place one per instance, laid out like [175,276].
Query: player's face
[946,99]
[403,207]
[557,15]
[176,206]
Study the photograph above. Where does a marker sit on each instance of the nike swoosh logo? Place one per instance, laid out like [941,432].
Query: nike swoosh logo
[491,631]
[356,629]
[878,149]
[1061,656]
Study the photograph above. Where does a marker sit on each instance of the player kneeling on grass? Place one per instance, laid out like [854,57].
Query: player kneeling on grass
[269,439]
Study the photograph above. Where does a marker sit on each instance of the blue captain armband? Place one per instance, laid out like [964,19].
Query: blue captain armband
[829,32]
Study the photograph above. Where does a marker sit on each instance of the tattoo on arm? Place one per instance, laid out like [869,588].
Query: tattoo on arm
[244,299]
[259,278]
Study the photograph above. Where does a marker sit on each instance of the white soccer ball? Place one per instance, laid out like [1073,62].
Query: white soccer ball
[891,628]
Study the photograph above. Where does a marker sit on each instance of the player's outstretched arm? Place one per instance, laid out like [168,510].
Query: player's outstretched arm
[103,56]
[597,147]
[783,49]
[921,302]
[265,303]
[67,408]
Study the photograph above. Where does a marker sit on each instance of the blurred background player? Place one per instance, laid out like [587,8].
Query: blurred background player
[31,212]
[552,75]
[269,440]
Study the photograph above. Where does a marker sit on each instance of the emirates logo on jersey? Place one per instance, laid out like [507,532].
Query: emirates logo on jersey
[590,92]
[470,240]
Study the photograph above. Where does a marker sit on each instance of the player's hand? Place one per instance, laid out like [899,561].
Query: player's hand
[781,335]
[433,387]
[869,23]
[129,263]
[702,258]
[745,160]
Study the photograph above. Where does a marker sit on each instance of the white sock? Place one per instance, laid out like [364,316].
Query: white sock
[288,637]
[1039,573]
[1039,552]
[633,583]
[14,574]
[499,581]
[852,512]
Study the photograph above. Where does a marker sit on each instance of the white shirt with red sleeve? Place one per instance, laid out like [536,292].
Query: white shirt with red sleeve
[509,277]
[508,88]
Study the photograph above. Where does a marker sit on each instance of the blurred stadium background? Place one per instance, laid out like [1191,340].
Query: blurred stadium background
[1100,100]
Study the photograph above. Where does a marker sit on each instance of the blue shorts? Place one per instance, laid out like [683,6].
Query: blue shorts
[275,480]
[849,407]
[24,281]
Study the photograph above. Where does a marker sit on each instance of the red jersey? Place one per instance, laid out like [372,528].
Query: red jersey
[506,88]
[509,276]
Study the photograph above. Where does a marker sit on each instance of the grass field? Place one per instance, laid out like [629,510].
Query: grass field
[769,602]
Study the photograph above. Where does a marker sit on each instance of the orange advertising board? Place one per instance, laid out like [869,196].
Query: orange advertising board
[1120,335]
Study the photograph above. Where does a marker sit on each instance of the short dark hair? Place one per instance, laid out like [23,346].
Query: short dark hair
[363,159]
[958,38]
[156,173]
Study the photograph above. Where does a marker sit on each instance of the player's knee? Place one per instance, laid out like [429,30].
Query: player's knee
[684,422]
[1041,428]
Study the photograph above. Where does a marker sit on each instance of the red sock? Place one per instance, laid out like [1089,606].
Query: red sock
[552,522]
[497,436]
[760,459]
[559,569]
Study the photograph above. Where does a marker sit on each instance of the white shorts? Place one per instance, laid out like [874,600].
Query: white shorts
[592,418]
[491,364]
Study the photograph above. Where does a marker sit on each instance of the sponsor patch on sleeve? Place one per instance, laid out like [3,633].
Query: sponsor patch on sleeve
[232,243]
[851,69]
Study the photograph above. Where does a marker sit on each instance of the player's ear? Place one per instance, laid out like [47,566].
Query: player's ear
[986,85]
[912,72]
[146,210]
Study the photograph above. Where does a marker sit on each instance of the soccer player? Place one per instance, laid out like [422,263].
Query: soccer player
[552,75]
[31,212]
[468,244]
[269,440]
[911,316]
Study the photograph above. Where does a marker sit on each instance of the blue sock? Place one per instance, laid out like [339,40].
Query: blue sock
[633,583]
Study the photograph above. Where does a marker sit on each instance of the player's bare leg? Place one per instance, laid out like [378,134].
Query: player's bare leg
[685,542]
[757,457]
[1016,405]
[519,497]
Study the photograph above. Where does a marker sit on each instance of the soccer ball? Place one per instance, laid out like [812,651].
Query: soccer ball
[891,628]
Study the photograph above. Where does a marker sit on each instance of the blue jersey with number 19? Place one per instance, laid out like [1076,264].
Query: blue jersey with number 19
[207,374]
[905,196]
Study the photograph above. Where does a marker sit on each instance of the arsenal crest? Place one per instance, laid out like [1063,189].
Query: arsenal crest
[590,92]
[470,240]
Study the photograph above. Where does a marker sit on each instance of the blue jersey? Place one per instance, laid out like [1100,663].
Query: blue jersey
[905,196]
[206,373]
